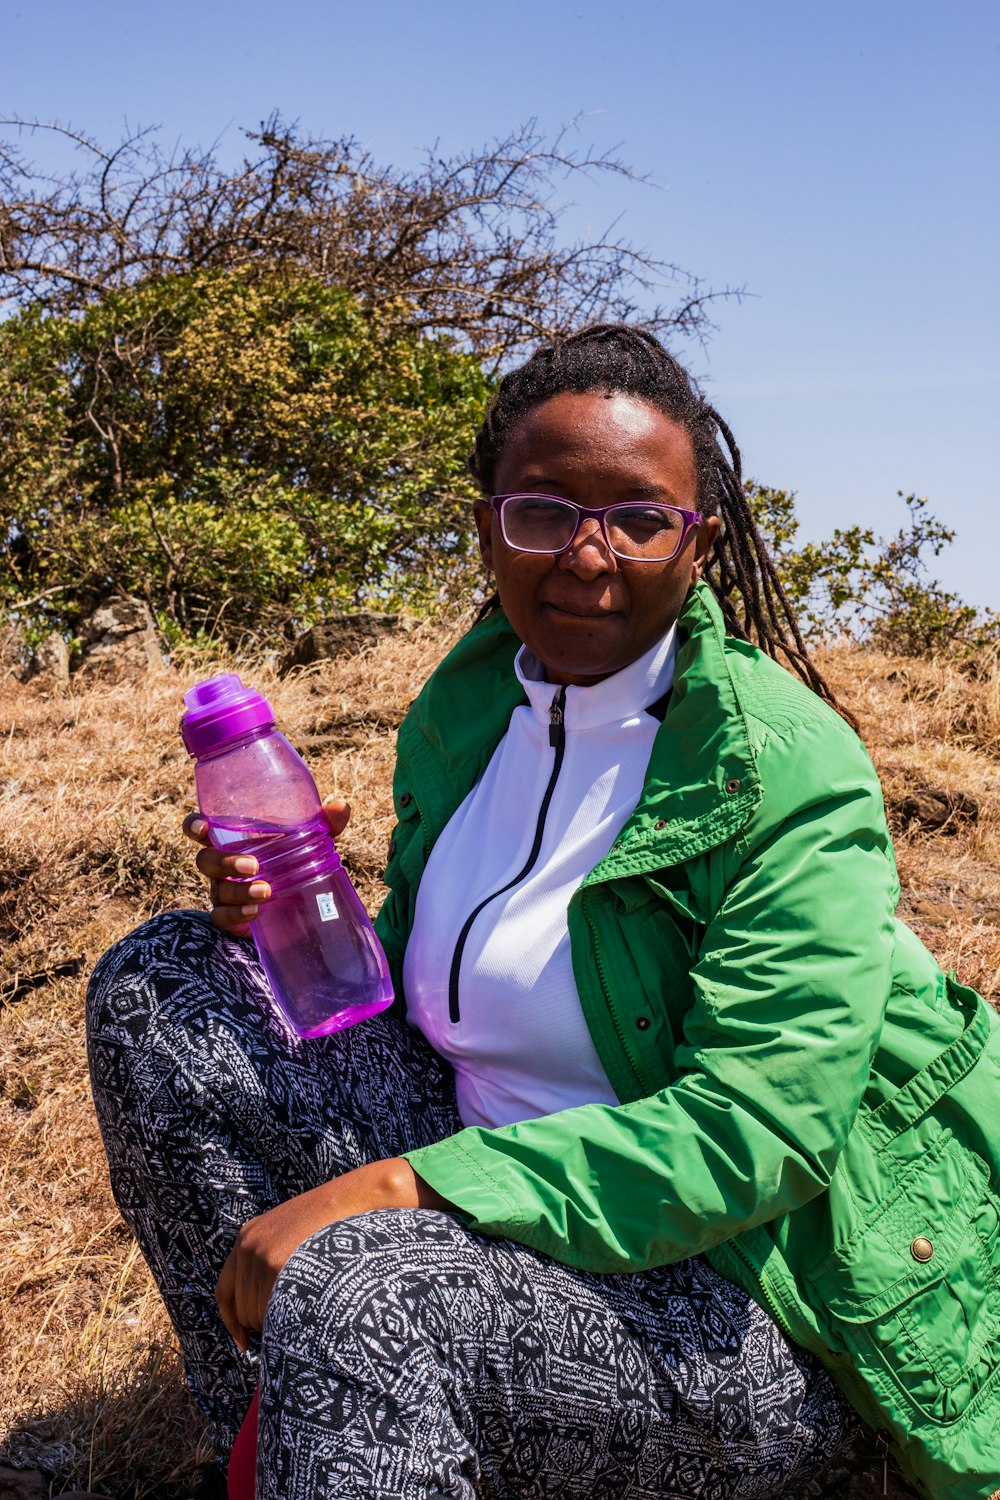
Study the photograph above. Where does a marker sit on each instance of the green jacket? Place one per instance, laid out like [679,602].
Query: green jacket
[804,1096]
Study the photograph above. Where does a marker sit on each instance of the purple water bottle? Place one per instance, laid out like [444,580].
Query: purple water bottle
[323,961]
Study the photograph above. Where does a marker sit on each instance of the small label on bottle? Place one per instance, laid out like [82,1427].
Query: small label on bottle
[327,907]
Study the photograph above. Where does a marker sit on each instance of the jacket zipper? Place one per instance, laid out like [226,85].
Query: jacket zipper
[557,739]
[756,1272]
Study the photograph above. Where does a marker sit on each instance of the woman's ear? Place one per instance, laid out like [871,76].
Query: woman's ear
[705,539]
[483,512]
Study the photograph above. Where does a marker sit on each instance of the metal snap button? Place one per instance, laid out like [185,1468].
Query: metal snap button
[660,823]
[921,1248]
[643,1023]
[405,799]
[733,784]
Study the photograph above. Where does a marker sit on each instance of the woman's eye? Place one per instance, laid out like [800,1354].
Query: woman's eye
[541,508]
[650,521]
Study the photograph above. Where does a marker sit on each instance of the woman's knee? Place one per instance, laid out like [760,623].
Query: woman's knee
[124,981]
[172,966]
[356,1379]
[150,1002]
[369,1290]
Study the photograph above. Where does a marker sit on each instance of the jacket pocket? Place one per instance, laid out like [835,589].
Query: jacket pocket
[915,1291]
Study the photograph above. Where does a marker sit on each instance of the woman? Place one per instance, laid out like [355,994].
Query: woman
[681,1138]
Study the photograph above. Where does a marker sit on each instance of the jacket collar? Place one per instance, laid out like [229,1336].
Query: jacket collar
[701,786]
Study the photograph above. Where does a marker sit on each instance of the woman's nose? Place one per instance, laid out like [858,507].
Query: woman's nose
[589,554]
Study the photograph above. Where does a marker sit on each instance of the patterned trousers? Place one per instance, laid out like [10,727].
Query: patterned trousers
[405,1355]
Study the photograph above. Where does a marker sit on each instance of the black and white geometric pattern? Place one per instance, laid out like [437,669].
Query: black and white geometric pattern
[405,1355]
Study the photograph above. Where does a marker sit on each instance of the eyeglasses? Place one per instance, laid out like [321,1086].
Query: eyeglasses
[634,530]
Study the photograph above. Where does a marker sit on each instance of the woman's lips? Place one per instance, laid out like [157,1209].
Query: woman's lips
[581,611]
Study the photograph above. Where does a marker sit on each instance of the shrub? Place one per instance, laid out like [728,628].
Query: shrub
[872,588]
[242,455]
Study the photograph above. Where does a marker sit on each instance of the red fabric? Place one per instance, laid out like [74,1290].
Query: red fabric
[243,1459]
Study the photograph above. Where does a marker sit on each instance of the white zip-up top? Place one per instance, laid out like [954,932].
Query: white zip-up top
[487,972]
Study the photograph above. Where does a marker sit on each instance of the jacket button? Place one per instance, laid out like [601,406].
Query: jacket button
[642,1023]
[405,799]
[733,784]
[921,1248]
[660,823]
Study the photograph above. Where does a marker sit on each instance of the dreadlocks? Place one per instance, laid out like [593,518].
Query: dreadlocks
[614,358]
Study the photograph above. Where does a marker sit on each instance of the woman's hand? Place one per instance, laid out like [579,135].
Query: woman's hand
[235,895]
[265,1243]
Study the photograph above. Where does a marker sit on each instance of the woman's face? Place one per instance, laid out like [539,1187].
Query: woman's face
[586,613]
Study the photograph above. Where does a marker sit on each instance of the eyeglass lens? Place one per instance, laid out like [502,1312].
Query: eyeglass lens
[540,523]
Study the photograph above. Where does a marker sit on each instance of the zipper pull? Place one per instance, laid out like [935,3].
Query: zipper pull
[557,724]
[882,1443]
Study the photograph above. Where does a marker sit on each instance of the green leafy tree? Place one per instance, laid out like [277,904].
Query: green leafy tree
[876,589]
[242,452]
[244,391]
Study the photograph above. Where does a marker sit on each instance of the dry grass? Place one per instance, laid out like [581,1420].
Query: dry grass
[936,726]
[93,784]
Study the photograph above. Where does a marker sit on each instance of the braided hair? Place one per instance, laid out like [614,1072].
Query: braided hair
[617,359]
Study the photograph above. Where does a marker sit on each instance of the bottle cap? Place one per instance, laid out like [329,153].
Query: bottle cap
[219,710]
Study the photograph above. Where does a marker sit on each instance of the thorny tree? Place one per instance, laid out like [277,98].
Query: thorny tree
[468,245]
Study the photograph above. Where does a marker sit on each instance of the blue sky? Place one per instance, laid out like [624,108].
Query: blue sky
[837,160]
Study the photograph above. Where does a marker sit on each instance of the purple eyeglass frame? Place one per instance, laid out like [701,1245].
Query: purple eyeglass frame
[691,518]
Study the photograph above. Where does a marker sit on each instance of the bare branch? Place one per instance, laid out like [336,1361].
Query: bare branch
[467,244]
[21,604]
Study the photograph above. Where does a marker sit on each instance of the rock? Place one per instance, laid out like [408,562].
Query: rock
[13,652]
[50,659]
[23,1484]
[936,809]
[343,635]
[119,640]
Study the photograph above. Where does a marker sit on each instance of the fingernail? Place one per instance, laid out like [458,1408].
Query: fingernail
[259,891]
[198,827]
[249,911]
[246,865]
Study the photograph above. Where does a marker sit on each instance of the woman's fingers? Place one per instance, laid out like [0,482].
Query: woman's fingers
[225,1295]
[244,1302]
[264,1244]
[236,903]
[337,813]
[215,865]
[239,892]
[248,1277]
[234,920]
[231,877]
[195,827]
[234,893]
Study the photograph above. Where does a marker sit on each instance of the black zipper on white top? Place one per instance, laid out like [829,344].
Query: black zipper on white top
[557,739]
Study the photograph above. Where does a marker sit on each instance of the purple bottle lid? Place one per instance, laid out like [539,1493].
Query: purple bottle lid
[219,710]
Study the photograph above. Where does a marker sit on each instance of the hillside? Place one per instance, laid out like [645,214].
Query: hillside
[93,785]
